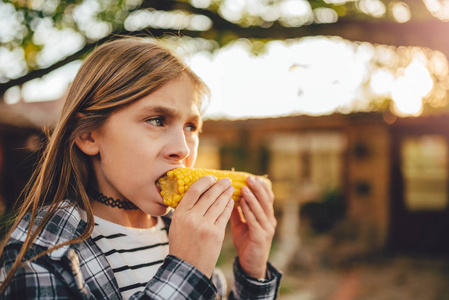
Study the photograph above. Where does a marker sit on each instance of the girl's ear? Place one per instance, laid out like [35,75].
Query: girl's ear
[86,142]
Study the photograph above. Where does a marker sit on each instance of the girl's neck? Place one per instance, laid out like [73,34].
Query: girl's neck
[127,218]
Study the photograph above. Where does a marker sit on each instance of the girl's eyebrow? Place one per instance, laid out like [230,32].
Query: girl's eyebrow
[158,109]
[163,110]
[168,112]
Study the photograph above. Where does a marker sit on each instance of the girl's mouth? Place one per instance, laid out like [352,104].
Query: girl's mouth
[158,182]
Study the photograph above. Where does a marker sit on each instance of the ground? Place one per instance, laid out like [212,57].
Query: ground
[325,267]
[384,278]
[380,277]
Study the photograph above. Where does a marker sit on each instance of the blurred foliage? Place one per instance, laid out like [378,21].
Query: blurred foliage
[324,213]
[233,157]
[91,20]
[32,31]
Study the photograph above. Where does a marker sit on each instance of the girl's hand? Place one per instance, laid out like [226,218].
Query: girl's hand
[198,225]
[252,239]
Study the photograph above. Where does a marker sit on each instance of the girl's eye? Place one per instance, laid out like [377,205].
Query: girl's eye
[156,121]
[191,127]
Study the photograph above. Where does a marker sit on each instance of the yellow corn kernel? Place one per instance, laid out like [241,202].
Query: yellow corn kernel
[175,183]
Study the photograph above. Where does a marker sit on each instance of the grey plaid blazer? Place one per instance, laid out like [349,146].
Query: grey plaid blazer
[81,271]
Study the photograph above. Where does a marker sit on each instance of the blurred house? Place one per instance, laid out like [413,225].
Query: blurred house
[370,179]
[22,128]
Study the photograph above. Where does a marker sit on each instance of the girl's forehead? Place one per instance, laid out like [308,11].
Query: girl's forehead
[177,97]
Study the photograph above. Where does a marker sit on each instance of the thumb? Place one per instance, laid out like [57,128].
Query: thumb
[237,217]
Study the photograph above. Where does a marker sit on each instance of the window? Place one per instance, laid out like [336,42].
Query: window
[425,173]
[306,163]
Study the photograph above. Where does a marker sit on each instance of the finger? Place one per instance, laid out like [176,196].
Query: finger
[237,215]
[209,197]
[195,191]
[217,207]
[259,188]
[237,218]
[254,206]
[267,186]
[263,194]
[250,218]
[223,219]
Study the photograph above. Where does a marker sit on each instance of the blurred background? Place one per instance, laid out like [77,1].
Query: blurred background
[344,104]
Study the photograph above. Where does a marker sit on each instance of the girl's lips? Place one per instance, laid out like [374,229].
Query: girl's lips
[162,175]
[158,189]
[158,186]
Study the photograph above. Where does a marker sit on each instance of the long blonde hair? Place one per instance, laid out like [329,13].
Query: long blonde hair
[115,74]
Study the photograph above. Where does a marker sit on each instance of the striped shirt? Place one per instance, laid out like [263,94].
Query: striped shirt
[134,254]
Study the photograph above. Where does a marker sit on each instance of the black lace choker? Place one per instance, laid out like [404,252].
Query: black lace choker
[109,201]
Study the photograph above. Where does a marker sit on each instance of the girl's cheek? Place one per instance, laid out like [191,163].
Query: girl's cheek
[192,157]
[191,160]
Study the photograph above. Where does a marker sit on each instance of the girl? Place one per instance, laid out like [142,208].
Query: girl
[93,225]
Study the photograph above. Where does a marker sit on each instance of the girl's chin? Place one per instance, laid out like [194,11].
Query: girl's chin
[160,209]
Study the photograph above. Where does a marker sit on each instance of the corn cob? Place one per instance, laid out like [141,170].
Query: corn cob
[175,183]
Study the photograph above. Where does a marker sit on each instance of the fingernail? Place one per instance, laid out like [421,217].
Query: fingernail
[250,179]
[227,180]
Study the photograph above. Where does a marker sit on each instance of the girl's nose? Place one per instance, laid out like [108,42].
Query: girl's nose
[178,148]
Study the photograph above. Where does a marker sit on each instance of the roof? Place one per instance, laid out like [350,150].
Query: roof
[12,119]
[30,115]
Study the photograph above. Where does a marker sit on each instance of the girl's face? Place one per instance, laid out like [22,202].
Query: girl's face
[143,140]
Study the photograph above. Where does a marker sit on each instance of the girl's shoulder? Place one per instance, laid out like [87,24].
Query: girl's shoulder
[64,224]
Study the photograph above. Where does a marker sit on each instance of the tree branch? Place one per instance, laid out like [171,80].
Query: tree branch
[430,33]
[86,49]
